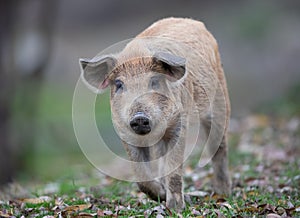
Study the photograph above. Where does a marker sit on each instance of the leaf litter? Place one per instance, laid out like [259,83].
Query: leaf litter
[265,166]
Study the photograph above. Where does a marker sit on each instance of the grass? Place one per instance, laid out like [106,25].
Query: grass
[278,193]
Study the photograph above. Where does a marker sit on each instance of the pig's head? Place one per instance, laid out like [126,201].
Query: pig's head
[143,101]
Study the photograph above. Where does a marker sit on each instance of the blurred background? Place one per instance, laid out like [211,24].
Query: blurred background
[41,42]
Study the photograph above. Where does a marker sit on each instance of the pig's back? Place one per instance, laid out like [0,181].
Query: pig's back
[184,30]
[190,39]
[174,28]
[186,38]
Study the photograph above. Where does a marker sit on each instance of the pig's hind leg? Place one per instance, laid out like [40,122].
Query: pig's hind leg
[218,151]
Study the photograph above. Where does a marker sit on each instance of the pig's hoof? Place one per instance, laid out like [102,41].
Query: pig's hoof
[222,187]
[177,205]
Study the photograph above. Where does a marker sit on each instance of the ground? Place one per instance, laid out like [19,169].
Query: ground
[264,166]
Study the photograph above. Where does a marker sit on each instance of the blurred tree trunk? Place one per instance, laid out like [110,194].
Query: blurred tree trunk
[7,84]
[25,45]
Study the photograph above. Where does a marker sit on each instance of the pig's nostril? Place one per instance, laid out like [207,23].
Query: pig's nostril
[146,122]
[140,125]
[134,125]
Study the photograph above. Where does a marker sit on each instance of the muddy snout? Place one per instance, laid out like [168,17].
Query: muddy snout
[140,123]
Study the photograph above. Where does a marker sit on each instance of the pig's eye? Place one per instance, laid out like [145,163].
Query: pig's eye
[154,83]
[119,85]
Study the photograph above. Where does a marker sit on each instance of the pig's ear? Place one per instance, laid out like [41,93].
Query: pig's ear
[94,72]
[172,65]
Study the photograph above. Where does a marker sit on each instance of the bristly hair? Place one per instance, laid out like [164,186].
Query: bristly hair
[133,67]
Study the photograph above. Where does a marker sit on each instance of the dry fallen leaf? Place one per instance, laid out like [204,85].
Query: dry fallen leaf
[5,214]
[78,207]
[197,193]
[38,200]
[70,210]
[214,197]
[273,215]
[196,212]
[105,213]
[251,209]
[86,215]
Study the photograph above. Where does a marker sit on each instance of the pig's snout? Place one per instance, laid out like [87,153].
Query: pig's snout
[140,124]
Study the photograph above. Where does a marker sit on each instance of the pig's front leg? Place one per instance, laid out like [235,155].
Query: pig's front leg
[153,189]
[174,180]
[174,186]
[142,169]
